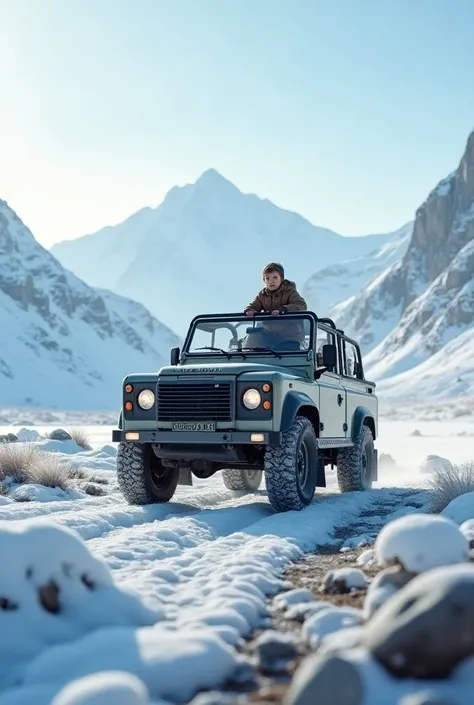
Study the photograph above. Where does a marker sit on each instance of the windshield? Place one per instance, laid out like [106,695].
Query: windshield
[279,335]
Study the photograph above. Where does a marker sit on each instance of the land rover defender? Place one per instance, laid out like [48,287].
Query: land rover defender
[281,395]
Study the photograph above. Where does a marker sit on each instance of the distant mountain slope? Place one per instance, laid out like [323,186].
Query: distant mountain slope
[65,344]
[340,283]
[423,306]
[203,249]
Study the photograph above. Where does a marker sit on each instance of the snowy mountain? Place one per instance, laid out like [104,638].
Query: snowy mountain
[341,282]
[203,249]
[416,318]
[64,343]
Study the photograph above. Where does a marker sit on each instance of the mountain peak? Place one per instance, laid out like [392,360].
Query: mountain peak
[212,180]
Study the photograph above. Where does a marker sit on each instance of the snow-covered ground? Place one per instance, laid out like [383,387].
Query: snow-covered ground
[166,592]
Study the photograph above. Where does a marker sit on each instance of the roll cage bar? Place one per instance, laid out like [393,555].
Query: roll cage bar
[211,321]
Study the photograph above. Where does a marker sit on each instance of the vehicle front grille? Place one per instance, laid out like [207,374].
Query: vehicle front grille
[194,401]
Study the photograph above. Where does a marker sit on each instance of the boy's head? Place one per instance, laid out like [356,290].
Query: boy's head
[273,275]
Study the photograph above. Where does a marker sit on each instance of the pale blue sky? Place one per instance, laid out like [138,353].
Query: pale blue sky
[347,111]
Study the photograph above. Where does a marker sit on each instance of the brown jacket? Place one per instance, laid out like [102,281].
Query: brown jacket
[286,296]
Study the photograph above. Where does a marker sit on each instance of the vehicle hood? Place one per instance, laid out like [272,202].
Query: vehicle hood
[225,368]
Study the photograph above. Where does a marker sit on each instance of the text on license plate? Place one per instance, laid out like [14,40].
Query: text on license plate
[194,426]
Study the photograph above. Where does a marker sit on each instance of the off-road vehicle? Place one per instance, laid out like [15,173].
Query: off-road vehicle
[284,395]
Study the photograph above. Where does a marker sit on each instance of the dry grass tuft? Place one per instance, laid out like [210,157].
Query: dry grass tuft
[79,436]
[49,471]
[449,483]
[16,461]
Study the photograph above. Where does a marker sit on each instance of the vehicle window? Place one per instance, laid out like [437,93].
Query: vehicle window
[352,367]
[323,337]
[283,334]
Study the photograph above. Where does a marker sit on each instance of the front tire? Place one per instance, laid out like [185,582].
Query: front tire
[141,477]
[291,468]
[247,480]
[355,464]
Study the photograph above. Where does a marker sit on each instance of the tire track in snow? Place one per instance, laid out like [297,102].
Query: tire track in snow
[185,563]
[98,516]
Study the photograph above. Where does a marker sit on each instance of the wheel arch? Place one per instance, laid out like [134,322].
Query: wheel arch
[362,417]
[299,404]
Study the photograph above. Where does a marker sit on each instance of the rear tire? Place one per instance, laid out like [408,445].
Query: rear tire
[247,480]
[141,477]
[355,464]
[291,469]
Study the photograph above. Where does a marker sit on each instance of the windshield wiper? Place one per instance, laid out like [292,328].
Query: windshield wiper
[263,349]
[221,350]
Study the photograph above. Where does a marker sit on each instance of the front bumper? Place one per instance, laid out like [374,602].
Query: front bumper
[267,438]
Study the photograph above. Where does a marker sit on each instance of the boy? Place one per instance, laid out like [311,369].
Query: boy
[279,296]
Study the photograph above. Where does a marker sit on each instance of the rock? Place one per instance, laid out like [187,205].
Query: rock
[383,586]
[427,629]
[92,489]
[419,542]
[275,649]
[344,580]
[325,679]
[8,438]
[59,434]
[425,697]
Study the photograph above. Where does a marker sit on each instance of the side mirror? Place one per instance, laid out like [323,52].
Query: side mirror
[329,357]
[174,356]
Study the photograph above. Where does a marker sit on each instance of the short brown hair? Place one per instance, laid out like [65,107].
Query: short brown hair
[273,267]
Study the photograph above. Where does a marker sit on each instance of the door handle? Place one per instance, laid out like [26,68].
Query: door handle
[340,399]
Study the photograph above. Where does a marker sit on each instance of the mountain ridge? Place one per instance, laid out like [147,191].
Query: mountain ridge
[68,344]
[184,251]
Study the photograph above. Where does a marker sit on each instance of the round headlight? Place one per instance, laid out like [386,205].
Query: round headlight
[146,399]
[252,399]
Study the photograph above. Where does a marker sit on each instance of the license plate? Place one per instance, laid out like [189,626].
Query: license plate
[194,426]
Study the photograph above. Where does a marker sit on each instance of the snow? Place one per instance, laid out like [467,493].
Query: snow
[180,584]
[420,542]
[366,558]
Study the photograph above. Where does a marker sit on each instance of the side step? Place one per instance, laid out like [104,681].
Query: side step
[335,443]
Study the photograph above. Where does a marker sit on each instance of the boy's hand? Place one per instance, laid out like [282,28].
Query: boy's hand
[250,313]
[276,312]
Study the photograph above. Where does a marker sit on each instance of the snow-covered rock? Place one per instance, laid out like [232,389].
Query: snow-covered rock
[293,597]
[105,688]
[420,542]
[434,463]
[460,509]
[196,230]
[344,580]
[327,621]
[54,596]
[68,345]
